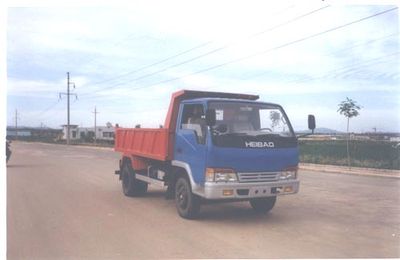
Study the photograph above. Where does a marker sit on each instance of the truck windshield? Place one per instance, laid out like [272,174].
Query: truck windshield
[249,122]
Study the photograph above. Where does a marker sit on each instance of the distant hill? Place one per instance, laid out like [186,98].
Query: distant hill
[320,130]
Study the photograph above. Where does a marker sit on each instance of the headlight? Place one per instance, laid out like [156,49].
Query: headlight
[289,173]
[220,175]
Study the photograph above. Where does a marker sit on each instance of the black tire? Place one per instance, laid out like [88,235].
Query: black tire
[131,187]
[187,204]
[8,152]
[263,205]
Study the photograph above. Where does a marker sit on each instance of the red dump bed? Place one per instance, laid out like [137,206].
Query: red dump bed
[158,143]
[144,142]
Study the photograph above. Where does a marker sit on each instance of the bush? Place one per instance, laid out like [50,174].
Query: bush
[371,154]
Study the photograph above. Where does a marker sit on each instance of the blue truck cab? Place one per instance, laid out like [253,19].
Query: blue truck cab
[237,149]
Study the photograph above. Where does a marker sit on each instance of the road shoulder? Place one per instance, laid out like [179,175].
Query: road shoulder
[350,170]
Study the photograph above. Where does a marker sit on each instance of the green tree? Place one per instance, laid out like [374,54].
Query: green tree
[349,109]
[275,118]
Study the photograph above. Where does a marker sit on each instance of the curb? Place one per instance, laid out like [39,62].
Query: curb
[351,171]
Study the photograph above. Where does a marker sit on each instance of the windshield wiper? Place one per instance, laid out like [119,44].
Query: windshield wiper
[235,134]
[274,135]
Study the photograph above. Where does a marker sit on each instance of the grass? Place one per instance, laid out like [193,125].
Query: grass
[370,154]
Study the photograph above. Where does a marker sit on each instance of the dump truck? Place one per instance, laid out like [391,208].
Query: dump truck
[213,147]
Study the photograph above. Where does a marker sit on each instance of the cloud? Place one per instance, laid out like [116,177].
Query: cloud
[104,43]
[32,88]
[41,88]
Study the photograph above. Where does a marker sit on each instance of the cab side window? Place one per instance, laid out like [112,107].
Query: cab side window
[193,118]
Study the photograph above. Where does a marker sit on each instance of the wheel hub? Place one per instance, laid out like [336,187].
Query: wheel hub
[182,197]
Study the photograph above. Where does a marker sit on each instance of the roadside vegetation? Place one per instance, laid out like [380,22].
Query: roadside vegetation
[370,154]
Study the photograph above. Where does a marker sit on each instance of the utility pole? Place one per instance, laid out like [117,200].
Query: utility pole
[16,124]
[68,94]
[68,128]
[95,125]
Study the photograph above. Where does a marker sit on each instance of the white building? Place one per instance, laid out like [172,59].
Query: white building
[394,139]
[103,133]
[73,132]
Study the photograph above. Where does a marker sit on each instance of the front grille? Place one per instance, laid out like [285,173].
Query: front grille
[257,176]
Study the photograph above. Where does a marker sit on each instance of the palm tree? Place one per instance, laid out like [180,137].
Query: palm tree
[349,109]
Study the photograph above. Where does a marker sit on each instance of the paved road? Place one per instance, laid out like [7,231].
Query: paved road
[65,202]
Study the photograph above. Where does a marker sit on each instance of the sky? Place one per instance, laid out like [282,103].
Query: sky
[127,60]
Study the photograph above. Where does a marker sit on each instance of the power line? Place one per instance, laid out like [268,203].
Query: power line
[265,51]
[153,64]
[357,70]
[345,70]
[328,74]
[330,30]
[330,53]
[334,73]
[116,43]
[227,45]
[269,50]
[53,113]
[189,50]
[48,108]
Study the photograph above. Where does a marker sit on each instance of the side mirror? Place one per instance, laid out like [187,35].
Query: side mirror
[211,117]
[311,122]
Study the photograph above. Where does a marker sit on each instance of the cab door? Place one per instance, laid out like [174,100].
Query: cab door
[190,139]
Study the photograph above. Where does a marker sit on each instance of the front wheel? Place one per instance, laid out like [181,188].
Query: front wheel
[187,204]
[263,205]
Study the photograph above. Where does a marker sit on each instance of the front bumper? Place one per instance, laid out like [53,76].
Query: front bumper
[217,191]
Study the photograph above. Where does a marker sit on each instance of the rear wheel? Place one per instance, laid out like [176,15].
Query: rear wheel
[263,205]
[131,187]
[187,204]
[8,151]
